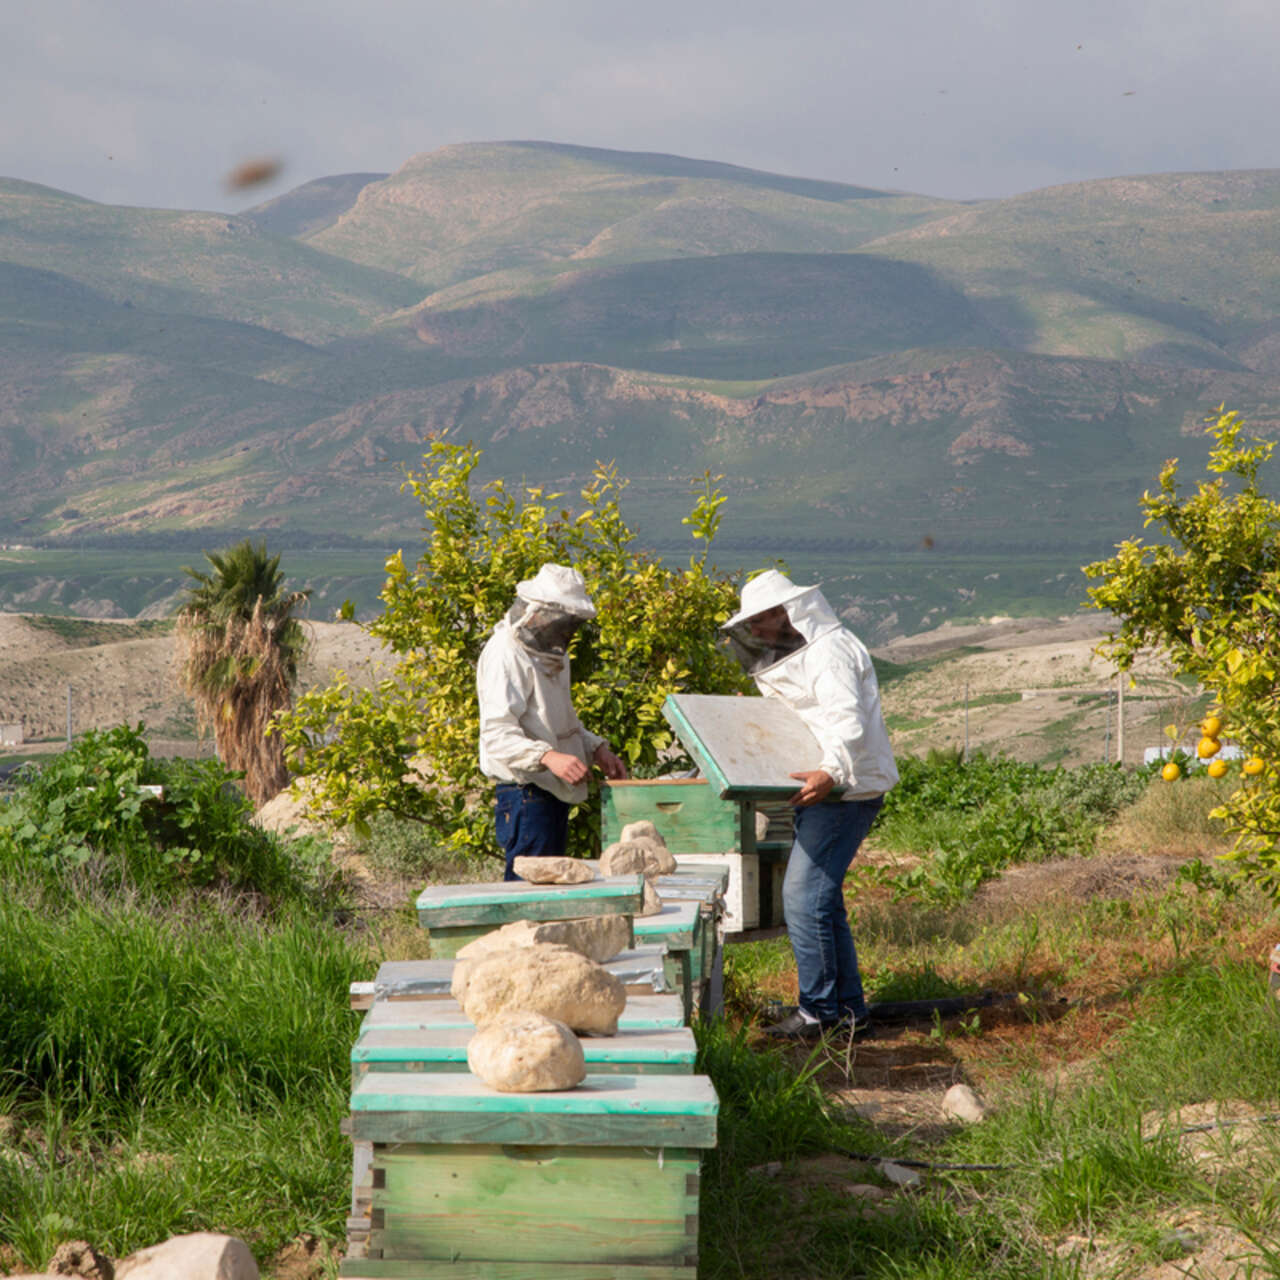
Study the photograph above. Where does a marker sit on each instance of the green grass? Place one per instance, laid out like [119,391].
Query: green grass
[169,1071]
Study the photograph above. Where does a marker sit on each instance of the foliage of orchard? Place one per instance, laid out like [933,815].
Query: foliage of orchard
[409,745]
[1208,594]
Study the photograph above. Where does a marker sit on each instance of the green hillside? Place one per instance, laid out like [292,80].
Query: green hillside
[192,263]
[873,374]
[471,210]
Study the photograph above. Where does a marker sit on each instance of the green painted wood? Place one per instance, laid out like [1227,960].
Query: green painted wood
[565,1204]
[689,815]
[641,1013]
[629,1052]
[405,1269]
[676,926]
[610,1111]
[500,903]
[639,969]
[690,741]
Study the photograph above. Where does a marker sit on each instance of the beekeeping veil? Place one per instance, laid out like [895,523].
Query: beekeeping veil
[777,618]
[549,608]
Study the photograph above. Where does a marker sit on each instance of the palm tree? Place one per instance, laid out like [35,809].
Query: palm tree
[240,646]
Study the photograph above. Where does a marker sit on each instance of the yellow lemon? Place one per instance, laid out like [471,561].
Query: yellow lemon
[1211,726]
[1217,768]
[1254,766]
[1207,747]
[1171,772]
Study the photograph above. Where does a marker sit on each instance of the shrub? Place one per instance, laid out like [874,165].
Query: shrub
[979,816]
[90,808]
[409,746]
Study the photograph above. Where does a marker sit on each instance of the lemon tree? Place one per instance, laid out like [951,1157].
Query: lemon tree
[409,745]
[1208,594]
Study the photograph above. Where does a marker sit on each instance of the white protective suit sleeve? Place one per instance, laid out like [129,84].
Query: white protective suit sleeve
[504,684]
[842,732]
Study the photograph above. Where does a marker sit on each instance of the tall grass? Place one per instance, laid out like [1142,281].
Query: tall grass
[171,1072]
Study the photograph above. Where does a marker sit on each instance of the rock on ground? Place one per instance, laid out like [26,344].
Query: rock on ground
[203,1255]
[553,981]
[524,1052]
[961,1103]
[80,1258]
[553,870]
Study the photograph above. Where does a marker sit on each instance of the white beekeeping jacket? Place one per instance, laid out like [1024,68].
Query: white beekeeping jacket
[831,684]
[526,711]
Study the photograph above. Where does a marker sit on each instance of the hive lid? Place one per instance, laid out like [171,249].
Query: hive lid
[744,746]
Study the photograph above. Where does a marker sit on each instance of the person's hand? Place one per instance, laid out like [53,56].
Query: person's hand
[566,767]
[612,766]
[817,782]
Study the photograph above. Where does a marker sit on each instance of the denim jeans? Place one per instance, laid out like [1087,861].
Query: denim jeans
[827,837]
[530,823]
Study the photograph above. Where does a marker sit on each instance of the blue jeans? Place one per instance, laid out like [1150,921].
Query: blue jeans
[530,823]
[827,837]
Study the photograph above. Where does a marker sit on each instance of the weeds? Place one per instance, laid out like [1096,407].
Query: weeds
[977,817]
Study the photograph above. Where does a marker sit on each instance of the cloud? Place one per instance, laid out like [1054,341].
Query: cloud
[143,101]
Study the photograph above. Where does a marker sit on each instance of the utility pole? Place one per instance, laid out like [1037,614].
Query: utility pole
[68,715]
[1120,717]
[966,722]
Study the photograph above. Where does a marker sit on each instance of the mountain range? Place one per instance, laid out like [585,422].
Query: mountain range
[876,375]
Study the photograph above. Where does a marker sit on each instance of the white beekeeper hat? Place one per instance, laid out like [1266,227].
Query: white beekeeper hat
[766,590]
[561,585]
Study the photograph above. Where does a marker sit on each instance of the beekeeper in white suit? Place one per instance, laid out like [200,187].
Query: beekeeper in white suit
[532,743]
[790,640]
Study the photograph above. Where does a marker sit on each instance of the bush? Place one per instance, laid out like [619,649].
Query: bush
[90,809]
[977,817]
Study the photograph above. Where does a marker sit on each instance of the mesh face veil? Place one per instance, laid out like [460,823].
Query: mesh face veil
[763,639]
[544,628]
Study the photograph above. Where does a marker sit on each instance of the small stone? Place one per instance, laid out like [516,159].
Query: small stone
[80,1258]
[961,1103]
[553,981]
[641,830]
[202,1255]
[866,1191]
[524,1052]
[900,1175]
[553,870]
[626,857]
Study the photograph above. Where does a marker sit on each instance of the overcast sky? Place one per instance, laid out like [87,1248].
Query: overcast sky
[153,102]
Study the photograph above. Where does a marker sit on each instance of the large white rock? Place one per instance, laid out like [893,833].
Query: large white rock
[553,981]
[599,938]
[626,857]
[523,1052]
[203,1255]
[553,870]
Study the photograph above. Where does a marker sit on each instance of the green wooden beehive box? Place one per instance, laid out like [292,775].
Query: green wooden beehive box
[630,1052]
[642,1013]
[455,914]
[598,1181]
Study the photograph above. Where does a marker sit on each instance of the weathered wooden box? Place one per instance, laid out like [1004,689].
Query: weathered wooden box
[631,1052]
[750,833]
[598,1181]
[642,1013]
[741,872]
[641,970]
[455,914]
